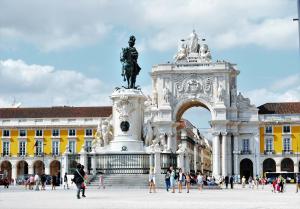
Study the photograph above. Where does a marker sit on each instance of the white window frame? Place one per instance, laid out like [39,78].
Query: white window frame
[58,142]
[25,151]
[272,144]
[5,141]
[70,130]
[74,152]
[39,130]
[85,143]
[286,132]
[4,131]
[58,132]
[290,145]
[267,126]
[35,148]
[20,133]
[244,140]
[86,131]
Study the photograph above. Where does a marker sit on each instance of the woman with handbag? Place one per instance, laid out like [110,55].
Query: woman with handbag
[78,180]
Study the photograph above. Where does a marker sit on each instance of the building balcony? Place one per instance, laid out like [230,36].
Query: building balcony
[269,152]
[287,152]
[245,152]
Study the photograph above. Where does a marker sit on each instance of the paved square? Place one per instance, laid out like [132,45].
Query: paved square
[110,198]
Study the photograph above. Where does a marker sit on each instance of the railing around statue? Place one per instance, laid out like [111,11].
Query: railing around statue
[167,160]
[123,163]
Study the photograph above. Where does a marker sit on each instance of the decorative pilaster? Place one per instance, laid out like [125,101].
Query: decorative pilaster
[224,154]
[236,152]
[216,155]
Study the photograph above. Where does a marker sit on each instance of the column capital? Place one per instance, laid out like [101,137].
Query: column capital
[224,133]
[215,133]
[235,134]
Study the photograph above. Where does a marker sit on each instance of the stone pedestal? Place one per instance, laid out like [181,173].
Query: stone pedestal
[128,109]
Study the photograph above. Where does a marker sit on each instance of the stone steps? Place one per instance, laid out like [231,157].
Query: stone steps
[125,180]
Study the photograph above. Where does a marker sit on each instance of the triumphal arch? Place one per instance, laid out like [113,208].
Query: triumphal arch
[194,79]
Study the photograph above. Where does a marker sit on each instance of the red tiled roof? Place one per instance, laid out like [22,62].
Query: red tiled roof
[280,108]
[56,112]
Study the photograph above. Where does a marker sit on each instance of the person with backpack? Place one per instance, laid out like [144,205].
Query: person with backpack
[78,179]
[167,180]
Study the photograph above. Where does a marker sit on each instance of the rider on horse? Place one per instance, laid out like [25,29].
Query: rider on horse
[130,66]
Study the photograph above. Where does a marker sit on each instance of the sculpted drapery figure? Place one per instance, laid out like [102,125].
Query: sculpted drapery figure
[130,67]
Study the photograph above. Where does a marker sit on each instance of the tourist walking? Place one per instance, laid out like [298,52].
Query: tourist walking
[43,181]
[188,182]
[243,181]
[101,181]
[152,181]
[226,181]
[53,182]
[167,180]
[297,182]
[78,179]
[66,185]
[31,182]
[37,182]
[231,182]
[180,180]
[173,179]
[200,181]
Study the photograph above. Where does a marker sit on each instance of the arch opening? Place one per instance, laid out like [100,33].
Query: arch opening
[55,168]
[6,169]
[287,165]
[38,167]
[269,165]
[22,168]
[246,168]
[192,119]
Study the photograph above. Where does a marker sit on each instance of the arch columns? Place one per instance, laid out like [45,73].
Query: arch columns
[216,155]
[224,154]
[236,152]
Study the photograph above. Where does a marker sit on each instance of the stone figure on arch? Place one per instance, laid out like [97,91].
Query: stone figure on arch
[148,133]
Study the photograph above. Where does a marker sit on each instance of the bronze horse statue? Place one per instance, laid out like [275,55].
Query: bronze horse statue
[130,68]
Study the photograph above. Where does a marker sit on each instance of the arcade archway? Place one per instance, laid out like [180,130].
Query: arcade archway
[38,167]
[22,168]
[55,168]
[287,165]
[246,168]
[269,165]
[6,169]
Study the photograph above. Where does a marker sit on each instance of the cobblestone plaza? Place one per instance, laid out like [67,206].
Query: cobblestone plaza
[112,198]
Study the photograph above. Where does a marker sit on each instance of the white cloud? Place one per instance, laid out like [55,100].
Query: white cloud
[36,85]
[284,90]
[56,24]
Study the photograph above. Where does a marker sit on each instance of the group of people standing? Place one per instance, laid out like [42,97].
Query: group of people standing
[38,182]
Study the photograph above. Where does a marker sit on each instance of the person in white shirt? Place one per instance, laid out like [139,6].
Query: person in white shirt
[200,181]
[152,181]
[37,181]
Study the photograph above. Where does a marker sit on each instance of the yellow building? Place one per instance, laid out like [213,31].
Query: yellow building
[280,137]
[37,140]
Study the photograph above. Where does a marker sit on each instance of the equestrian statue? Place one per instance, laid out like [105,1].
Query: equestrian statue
[130,67]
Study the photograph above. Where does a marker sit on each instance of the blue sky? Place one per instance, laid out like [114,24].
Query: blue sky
[67,52]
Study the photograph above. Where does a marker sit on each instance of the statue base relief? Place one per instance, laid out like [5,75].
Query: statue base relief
[128,117]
